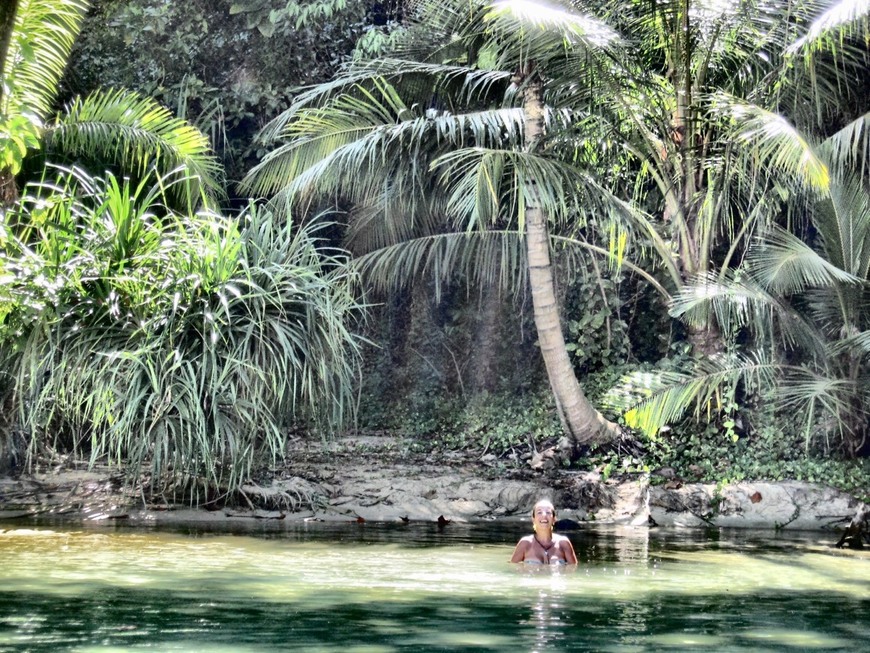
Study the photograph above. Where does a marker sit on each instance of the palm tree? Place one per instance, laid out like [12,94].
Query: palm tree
[761,159]
[466,172]
[810,296]
[702,82]
[107,128]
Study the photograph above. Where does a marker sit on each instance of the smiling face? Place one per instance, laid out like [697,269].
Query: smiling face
[543,517]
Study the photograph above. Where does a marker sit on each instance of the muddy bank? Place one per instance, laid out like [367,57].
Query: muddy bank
[376,479]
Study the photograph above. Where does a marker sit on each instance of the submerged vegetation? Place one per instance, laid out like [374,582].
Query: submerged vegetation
[644,226]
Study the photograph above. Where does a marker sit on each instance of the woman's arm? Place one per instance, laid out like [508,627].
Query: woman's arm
[568,551]
[520,550]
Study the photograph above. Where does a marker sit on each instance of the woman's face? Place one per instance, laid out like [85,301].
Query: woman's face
[544,516]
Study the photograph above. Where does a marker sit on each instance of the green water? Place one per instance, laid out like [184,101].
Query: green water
[384,588]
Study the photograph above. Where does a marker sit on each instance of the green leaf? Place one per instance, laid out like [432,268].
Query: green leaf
[267,29]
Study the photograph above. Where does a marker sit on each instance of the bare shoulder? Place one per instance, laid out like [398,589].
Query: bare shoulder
[525,543]
[521,549]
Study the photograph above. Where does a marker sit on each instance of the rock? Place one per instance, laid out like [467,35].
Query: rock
[539,462]
[14,514]
[268,514]
[623,503]
[785,505]
[372,486]
[469,508]
[516,498]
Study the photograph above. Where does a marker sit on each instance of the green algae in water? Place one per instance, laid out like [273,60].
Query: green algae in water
[384,588]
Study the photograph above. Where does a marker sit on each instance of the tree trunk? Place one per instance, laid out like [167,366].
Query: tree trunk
[8,10]
[581,420]
[8,189]
[484,364]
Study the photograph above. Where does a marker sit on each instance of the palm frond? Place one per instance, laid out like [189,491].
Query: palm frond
[783,264]
[735,302]
[651,400]
[844,19]
[776,143]
[38,52]
[367,75]
[135,133]
[538,30]
[483,257]
[849,148]
[486,182]
[820,399]
[843,220]
[357,145]
[859,342]
[385,220]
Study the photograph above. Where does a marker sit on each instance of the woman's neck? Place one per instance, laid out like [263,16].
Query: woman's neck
[545,539]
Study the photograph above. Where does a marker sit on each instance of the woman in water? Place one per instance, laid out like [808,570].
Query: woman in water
[544,547]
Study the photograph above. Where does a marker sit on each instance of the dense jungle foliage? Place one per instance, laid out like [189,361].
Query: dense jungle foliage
[637,231]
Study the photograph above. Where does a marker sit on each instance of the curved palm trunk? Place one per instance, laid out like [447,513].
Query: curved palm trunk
[580,418]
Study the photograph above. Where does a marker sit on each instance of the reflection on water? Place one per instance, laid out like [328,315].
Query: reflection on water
[386,588]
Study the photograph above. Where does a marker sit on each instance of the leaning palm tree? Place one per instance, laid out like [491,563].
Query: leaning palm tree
[107,128]
[484,174]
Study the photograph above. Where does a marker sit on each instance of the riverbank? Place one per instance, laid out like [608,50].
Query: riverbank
[378,479]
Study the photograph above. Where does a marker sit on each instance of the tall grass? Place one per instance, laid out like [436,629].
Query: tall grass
[178,346]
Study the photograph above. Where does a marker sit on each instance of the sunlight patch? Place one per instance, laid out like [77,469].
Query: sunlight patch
[682,640]
[799,639]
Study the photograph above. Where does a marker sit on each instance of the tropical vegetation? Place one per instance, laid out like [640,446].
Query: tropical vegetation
[640,224]
[680,140]
[139,325]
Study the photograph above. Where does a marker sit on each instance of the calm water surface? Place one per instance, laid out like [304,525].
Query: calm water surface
[384,588]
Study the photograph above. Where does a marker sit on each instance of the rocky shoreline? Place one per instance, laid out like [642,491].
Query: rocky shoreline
[374,479]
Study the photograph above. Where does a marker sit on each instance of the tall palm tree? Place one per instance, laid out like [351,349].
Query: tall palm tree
[374,143]
[756,161]
[810,296]
[106,128]
[702,83]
